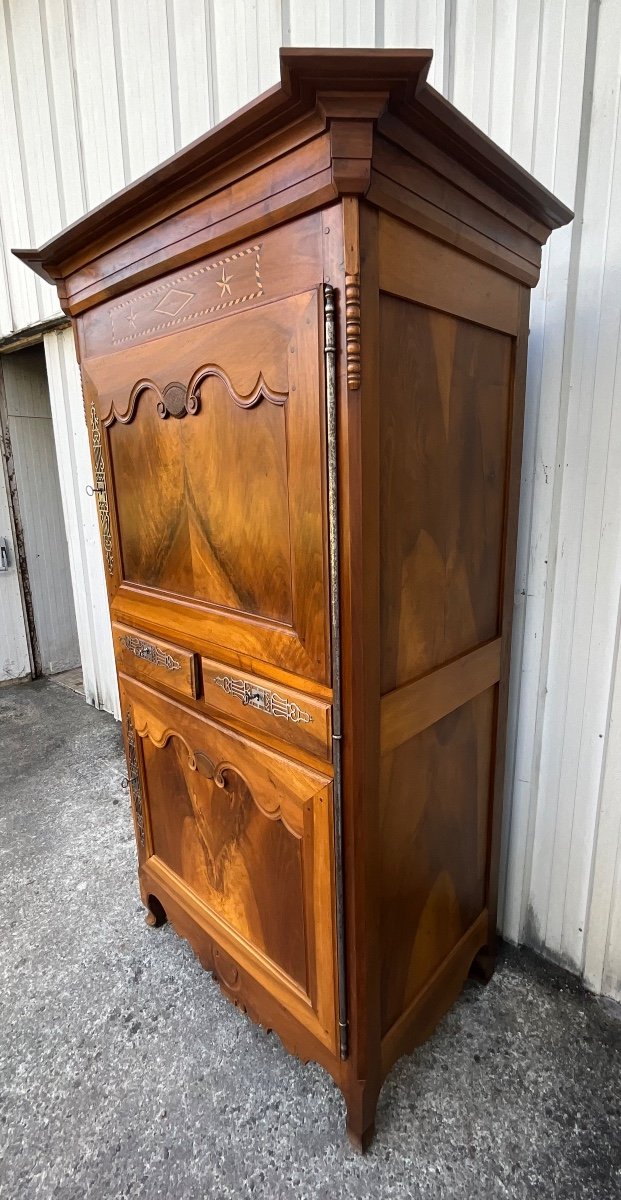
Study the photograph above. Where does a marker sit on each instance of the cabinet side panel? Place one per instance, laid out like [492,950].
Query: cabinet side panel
[444,437]
[447,383]
[434,816]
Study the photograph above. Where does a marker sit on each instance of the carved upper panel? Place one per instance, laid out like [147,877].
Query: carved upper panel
[228,281]
[190,296]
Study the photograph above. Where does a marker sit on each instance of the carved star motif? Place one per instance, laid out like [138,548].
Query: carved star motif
[131,317]
[223,283]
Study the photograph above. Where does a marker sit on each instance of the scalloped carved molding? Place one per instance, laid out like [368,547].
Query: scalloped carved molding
[177,400]
[260,391]
[160,734]
[291,814]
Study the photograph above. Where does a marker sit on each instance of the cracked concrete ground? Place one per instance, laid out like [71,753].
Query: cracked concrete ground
[124,1072]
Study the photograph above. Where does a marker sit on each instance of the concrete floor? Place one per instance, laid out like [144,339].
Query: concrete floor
[124,1073]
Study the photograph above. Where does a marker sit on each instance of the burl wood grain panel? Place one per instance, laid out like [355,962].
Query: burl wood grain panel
[434,801]
[216,460]
[443,427]
[195,526]
[248,833]
[244,866]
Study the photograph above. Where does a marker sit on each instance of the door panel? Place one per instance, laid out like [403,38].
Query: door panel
[192,527]
[249,833]
[215,460]
[247,868]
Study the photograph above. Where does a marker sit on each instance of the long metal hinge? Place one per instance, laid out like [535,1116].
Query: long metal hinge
[335,626]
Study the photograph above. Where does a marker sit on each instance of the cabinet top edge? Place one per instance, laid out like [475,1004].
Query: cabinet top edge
[333,85]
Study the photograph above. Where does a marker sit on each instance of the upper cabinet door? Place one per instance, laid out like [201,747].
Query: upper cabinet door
[212,449]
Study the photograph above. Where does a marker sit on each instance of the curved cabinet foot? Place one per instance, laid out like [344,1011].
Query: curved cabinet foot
[155,914]
[483,964]
[361,1104]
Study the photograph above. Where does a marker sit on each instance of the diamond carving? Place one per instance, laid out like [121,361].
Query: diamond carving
[173,302]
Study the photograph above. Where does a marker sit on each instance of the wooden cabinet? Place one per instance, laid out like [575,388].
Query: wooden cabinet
[303,345]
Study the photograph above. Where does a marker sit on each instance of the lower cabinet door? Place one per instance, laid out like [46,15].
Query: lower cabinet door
[242,837]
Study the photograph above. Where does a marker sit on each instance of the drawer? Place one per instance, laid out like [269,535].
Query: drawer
[271,708]
[242,836]
[154,661]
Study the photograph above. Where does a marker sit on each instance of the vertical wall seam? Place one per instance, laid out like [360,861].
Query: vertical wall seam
[214,104]
[173,73]
[617,867]
[550,550]
[380,23]
[75,100]
[120,88]
[537,83]
[556,506]
[5,268]
[610,687]
[582,176]
[448,69]
[559,478]
[490,102]
[52,111]
[23,167]
[285,22]
[607,980]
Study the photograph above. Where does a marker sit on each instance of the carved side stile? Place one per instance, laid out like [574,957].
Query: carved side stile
[101,490]
[133,779]
[352,330]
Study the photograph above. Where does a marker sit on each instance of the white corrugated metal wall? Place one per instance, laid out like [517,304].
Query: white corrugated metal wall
[92,95]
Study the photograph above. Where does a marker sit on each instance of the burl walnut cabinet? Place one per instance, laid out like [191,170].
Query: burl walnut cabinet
[303,346]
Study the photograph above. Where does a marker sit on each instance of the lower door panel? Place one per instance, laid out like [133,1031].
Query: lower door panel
[245,834]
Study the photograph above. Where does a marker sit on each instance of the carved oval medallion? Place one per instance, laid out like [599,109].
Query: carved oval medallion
[176,403]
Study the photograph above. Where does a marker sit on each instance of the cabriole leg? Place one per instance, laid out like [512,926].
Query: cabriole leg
[361,1101]
[155,915]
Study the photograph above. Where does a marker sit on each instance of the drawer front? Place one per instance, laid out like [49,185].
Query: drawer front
[245,834]
[154,661]
[271,708]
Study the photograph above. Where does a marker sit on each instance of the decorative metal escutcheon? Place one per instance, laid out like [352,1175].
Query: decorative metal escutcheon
[254,696]
[149,653]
